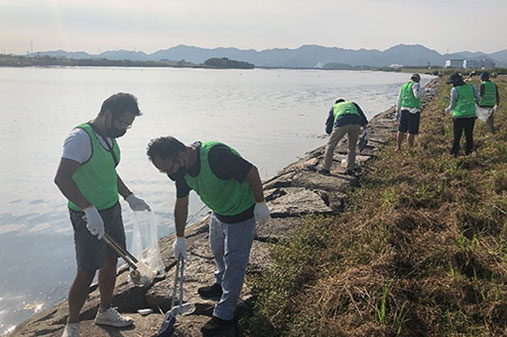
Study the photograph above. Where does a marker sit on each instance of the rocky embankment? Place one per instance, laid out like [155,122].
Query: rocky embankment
[296,191]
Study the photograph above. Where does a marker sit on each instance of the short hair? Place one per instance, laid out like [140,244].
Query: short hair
[164,147]
[339,100]
[119,104]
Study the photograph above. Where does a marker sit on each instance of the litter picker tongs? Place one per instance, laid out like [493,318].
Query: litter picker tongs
[141,273]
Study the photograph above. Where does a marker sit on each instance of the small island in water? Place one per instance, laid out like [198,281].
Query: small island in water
[9,60]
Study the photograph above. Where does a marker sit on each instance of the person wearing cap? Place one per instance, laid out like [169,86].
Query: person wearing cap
[344,118]
[489,98]
[462,106]
[408,110]
[87,177]
[231,187]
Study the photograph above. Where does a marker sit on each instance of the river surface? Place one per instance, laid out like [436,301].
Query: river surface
[272,117]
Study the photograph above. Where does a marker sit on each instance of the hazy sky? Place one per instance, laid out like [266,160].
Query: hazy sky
[150,25]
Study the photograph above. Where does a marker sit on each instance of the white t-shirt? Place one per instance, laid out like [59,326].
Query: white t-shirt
[78,145]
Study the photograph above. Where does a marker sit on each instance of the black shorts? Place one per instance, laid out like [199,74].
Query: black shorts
[91,252]
[409,122]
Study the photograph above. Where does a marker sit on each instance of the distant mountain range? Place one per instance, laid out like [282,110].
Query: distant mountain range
[307,56]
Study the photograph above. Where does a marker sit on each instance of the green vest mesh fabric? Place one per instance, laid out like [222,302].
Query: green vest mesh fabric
[224,197]
[489,95]
[97,178]
[408,100]
[344,108]
[465,106]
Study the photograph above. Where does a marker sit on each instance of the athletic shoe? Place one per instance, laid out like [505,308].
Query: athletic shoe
[211,292]
[71,330]
[324,172]
[216,327]
[113,318]
[350,172]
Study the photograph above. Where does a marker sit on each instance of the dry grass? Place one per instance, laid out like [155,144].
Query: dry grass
[420,250]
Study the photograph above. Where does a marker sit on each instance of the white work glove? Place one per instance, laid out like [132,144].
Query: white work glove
[261,212]
[180,248]
[94,222]
[429,91]
[137,204]
[397,115]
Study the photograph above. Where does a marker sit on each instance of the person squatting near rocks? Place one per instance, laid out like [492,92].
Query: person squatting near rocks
[408,111]
[344,118]
[490,99]
[87,177]
[462,105]
[231,187]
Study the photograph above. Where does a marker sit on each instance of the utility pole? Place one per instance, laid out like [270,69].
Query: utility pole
[31,47]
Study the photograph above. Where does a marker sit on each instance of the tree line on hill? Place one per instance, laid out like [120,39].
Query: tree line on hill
[8,60]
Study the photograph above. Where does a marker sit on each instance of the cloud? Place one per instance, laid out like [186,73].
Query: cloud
[152,25]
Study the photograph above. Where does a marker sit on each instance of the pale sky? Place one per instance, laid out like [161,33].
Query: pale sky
[95,26]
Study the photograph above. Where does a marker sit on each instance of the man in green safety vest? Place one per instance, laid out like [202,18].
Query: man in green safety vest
[87,177]
[231,187]
[489,98]
[408,110]
[462,106]
[344,118]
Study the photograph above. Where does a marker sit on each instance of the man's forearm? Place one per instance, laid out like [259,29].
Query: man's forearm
[67,185]
[70,190]
[122,188]
[180,215]
[255,184]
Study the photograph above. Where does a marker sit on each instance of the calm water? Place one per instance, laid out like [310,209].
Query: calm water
[271,117]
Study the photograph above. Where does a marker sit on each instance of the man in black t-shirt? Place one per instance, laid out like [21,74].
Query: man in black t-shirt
[231,187]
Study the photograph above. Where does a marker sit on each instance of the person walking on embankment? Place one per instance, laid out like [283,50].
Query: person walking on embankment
[408,111]
[462,106]
[87,177]
[231,187]
[344,118]
[490,99]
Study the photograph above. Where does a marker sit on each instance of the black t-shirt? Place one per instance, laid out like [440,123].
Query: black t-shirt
[225,165]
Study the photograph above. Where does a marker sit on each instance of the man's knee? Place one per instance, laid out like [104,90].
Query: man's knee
[85,276]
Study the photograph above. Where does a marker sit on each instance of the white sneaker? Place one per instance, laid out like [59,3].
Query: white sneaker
[71,330]
[113,318]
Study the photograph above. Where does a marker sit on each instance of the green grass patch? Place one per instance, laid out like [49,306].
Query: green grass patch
[420,249]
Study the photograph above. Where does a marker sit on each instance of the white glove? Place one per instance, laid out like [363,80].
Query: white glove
[397,115]
[94,222]
[137,204]
[261,212]
[180,247]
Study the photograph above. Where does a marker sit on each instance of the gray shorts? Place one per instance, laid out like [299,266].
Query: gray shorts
[91,252]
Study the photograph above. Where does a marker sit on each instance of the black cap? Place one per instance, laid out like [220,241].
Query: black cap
[455,78]
[485,76]
[416,77]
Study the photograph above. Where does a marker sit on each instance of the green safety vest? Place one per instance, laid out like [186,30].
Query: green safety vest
[97,179]
[408,99]
[465,106]
[224,197]
[489,95]
[344,108]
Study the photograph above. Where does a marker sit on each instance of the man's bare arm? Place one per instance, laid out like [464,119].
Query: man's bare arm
[67,185]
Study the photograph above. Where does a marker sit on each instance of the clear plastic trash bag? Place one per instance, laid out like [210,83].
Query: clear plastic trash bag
[144,241]
[484,113]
